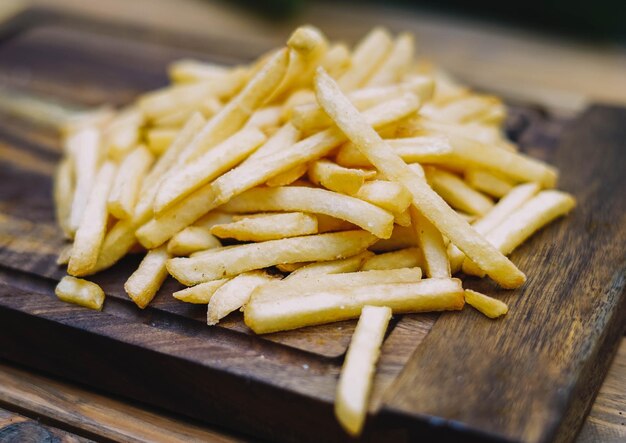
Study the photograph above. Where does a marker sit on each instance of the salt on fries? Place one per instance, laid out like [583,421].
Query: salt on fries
[368,178]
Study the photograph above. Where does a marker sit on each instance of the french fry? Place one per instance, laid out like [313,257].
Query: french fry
[350,264]
[63,192]
[200,294]
[339,108]
[93,226]
[473,107]
[220,262]
[337,178]
[236,112]
[299,198]
[396,64]
[248,175]
[190,71]
[524,222]
[64,255]
[357,373]
[486,134]
[127,183]
[144,283]
[367,55]
[326,223]
[159,139]
[265,117]
[291,267]
[433,249]
[288,177]
[386,194]
[403,218]
[234,294]
[281,140]
[488,182]
[489,306]
[207,167]
[80,292]
[403,258]
[401,238]
[122,134]
[268,227]
[267,313]
[457,193]
[192,239]
[336,60]
[84,148]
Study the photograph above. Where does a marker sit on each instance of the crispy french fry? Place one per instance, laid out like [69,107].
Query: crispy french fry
[357,373]
[403,258]
[234,294]
[367,55]
[457,193]
[268,311]
[248,175]
[291,267]
[144,283]
[401,238]
[326,223]
[127,183]
[381,155]
[207,167]
[200,294]
[268,227]
[488,182]
[524,222]
[159,139]
[350,264]
[84,148]
[122,134]
[281,140]
[489,306]
[433,249]
[299,198]
[288,177]
[388,195]
[192,239]
[473,107]
[63,192]
[337,178]
[265,118]
[80,292]
[220,262]
[90,233]
[396,64]
[403,219]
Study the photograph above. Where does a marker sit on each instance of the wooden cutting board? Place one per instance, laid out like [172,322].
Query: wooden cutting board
[528,377]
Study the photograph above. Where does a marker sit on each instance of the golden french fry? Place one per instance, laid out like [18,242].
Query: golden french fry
[524,222]
[159,139]
[403,258]
[265,118]
[291,267]
[90,233]
[127,183]
[431,244]
[268,227]
[63,192]
[83,147]
[403,219]
[288,177]
[266,312]
[433,207]
[337,178]
[350,264]
[189,71]
[357,373]
[489,306]
[192,239]
[234,294]
[457,193]
[474,107]
[488,182]
[207,167]
[220,262]
[200,294]
[281,140]
[336,60]
[402,237]
[326,223]
[144,283]
[396,64]
[250,174]
[388,195]
[487,134]
[299,198]
[122,134]
[64,255]
[80,292]
[367,55]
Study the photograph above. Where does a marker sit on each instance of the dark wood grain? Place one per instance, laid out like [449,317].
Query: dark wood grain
[532,375]
[281,386]
[15,428]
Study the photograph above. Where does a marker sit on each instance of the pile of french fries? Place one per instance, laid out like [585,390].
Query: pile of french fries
[314,185]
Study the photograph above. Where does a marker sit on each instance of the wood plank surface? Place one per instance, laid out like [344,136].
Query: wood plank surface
[166,356]
[15,428]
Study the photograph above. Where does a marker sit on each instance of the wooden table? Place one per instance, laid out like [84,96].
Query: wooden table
[34,407]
